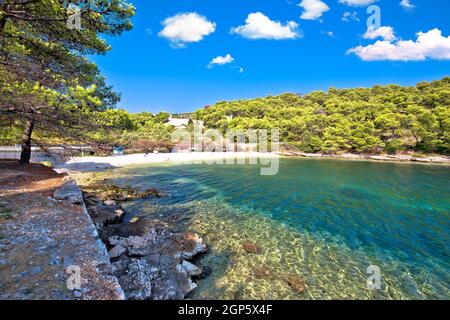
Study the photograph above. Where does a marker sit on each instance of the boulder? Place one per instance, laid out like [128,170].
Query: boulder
[137,242]
[139,246]
[191,244]
[173,286]
[189,269]
[117,251]
[119,266]
[137,279]
[153,259]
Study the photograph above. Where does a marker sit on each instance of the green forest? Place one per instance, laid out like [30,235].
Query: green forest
[387,119]
[51,94]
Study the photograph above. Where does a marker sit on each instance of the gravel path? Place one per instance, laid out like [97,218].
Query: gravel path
[49,248]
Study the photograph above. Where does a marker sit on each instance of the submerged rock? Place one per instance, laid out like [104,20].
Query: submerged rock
[147,259]
[251,247]
[150,192]
[261,272]
[297,283]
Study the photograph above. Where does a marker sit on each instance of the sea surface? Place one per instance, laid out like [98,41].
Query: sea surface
[321,222]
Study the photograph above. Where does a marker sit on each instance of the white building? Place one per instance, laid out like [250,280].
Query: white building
[178,123]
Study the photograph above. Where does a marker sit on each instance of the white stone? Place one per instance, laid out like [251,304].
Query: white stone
[189,269]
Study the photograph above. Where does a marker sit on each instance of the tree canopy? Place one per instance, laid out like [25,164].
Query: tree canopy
[363,120]
[46,83]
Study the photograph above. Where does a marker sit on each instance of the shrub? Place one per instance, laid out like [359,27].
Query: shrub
[393,146]
[149,146]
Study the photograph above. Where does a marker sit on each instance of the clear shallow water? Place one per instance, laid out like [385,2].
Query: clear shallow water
[323,220]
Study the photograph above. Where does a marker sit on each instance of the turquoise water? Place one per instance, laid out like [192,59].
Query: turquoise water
[325,221]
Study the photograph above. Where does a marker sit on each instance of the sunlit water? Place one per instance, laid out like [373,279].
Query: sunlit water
[323,220]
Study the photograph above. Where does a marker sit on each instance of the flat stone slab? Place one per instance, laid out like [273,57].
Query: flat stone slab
[69,192]
[49,247]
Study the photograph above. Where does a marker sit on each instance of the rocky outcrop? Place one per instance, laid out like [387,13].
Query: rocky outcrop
[103,213]
[136,279]
[154,264]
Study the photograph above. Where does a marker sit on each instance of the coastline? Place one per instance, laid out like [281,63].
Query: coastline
[111,162]
[438,159]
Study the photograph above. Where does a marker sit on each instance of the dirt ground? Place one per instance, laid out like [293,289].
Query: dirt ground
[40,238]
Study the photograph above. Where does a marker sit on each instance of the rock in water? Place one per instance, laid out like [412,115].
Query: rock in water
[191,243]
[251,247]
[137,280]
[262,273]
[297,283]
[110,203]
[189,269]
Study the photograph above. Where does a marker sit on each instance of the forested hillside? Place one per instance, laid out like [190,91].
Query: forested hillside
[379,119]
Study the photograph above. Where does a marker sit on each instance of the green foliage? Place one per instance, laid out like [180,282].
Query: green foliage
[46,83]
[362,120]
[47,163]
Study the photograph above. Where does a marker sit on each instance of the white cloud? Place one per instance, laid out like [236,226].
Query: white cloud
[313,9]
[357,3]
[386,33]
[428,45]
[184,28]
[221,60]
[329,33]
[259,26]
[407,5]
[350,16]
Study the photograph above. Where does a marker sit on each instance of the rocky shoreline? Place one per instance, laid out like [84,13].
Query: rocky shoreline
[372,157]
[149,261]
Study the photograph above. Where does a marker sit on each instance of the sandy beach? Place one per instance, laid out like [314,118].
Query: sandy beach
[99,163]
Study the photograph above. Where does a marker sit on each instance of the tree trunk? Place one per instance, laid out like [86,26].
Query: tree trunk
[3,19]
[2,24]
[25,155]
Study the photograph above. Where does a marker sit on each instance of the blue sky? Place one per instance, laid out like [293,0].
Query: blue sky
[299,54]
